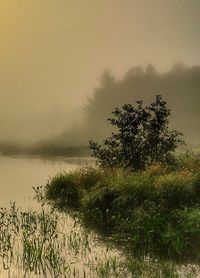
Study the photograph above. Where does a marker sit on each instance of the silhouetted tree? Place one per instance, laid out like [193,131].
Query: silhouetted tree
[143,137]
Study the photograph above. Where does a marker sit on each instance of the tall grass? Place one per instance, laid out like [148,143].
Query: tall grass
[45,243]
[155,211]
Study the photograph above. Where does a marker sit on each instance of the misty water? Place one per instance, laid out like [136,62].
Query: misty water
[19,174]
[81,253]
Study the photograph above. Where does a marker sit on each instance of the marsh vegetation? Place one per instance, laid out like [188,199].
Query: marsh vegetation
[45,243]
[153,213]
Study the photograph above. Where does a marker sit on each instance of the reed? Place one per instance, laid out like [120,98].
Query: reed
[45,243]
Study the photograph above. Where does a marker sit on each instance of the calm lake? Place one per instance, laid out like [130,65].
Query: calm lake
[19,174]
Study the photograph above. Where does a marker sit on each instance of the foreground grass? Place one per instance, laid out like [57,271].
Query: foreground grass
[156,211]
[46,243]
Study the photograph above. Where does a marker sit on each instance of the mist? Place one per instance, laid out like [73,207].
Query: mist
[179,87]
[53,53]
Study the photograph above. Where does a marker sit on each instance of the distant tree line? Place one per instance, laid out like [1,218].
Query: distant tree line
[180,87]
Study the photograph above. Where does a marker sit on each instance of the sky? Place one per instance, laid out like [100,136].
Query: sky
[53,52]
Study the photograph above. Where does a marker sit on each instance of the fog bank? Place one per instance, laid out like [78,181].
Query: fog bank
[53,52]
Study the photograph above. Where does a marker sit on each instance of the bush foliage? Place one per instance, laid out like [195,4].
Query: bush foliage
[143,137]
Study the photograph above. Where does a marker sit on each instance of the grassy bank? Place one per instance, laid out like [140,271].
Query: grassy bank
[157,211]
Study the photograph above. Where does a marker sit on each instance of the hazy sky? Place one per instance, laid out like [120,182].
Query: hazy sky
[52,53]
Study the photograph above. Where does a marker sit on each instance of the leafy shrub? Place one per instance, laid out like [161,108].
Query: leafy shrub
[143,137]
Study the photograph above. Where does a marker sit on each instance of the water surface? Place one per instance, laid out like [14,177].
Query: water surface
[19,174]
